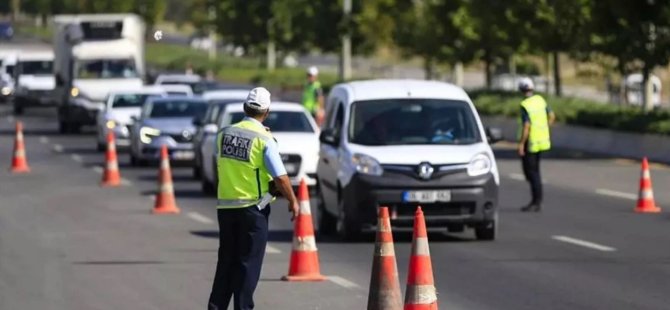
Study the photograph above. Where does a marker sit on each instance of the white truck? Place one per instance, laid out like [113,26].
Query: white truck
[34,80]
[95,54]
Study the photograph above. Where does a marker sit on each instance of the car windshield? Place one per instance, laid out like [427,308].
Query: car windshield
[281,121]
[176,108]
[106,69]
[37,67]
[131,100]
[177,93]
[196,87]
[412,121]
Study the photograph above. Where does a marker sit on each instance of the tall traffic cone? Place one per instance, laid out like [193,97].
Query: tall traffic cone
[111,176]
[165,202]
[384,284]
[420,293]
[645,201]
[19,161]
[304,265]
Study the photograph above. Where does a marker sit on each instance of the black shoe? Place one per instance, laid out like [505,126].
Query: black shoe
[531,208]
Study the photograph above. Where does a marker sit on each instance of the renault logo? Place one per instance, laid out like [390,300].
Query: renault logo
[186,134]
[425,171]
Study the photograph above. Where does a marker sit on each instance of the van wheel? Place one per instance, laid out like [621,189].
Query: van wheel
[101,147]
[347,228]
[18,110]
[327,222]
[487,231]
[63,127]
[207,187]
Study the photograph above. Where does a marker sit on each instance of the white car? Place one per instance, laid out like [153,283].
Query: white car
[193,80]
[7,63]
[401,144]
[177,89]
[294,129]
[120,107]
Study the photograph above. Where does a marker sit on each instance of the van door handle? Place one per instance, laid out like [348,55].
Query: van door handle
[325,160]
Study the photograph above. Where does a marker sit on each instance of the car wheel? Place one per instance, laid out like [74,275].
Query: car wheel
[327,222]
[101,147]
[63,127]
[18,110]
[456,228]
[142,162]
[133,160]
[207,187]
[347,228]
[487,231]
[196,172]
[75,128]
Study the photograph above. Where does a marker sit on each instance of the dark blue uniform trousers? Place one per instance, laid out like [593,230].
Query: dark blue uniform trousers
[243,235]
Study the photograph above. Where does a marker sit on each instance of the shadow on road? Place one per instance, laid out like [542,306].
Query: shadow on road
[119,262]
[552,154]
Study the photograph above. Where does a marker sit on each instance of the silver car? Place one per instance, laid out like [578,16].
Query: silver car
[165,121]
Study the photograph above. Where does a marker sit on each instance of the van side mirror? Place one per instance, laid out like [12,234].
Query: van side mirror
[328,136]
[135,118]
[494,135]
[211,129]
[197,121]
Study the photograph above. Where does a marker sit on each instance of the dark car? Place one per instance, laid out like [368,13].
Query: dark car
[6,31]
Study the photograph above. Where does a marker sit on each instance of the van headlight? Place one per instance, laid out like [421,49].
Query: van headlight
[147,132]
[366,164]
[6,91]
[479,165]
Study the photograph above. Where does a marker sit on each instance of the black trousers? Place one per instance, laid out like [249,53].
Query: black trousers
[531,169]
[243,236]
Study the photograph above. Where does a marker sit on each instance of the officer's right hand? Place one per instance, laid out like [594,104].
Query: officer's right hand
[294,208]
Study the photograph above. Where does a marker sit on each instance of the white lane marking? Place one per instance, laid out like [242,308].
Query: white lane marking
[44,139]
[126,182]
[618,194]
[199,218]
[343,282]
[517,176]
[58,148]
[584,243]
[97,169]
[76,158]
[272,250]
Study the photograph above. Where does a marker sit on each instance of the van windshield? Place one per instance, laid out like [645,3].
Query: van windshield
[106,69]
[37,67]
[412,121]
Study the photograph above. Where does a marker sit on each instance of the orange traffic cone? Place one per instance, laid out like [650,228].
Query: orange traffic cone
[111,176]
[645,201]
[420,293]
[19,161]
[304,265]
[165,202]
[384,284]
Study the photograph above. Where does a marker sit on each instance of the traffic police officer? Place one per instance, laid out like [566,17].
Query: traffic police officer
[247,162]
[312,95]
[534,139]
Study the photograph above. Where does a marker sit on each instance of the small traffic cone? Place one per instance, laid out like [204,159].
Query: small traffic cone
[165,202]
[421,293]
[111,176]
[384,284]
[645,201]
[304,265]
[19,161]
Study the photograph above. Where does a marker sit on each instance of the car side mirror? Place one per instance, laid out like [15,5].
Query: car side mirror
[211,129]
[494,135]
[328,136]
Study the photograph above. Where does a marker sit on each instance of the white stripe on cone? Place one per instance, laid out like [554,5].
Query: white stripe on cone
[20,153]
[421,294]
[385,249]
[420,247]
[304,244]
[305,208]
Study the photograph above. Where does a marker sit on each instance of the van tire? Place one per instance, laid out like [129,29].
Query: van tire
[487,231]
[327,222]
[348,229]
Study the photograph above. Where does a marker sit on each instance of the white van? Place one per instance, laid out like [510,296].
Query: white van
[34,80]
[403,144]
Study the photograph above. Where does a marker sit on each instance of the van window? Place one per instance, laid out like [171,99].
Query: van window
[339,120]
[412,121]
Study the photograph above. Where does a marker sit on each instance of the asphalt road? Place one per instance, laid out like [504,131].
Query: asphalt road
[66,243]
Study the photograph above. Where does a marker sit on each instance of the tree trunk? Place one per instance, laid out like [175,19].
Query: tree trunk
[16,10]
[557,75]
[547,74]
[647,90]
[487,69]
[271,56]
[458,74]
[428,68]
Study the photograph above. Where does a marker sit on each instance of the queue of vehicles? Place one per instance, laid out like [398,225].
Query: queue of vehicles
[395,143]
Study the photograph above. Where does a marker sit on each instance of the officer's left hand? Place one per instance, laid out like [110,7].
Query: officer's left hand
[521,150]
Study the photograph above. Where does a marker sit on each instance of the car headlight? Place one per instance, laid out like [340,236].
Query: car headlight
[479,165]
[366,164]
[110,124]
[6,91]
[74,92]
[147,132]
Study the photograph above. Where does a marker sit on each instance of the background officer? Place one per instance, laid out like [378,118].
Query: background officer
[247,162]
[534,139]
[312,95]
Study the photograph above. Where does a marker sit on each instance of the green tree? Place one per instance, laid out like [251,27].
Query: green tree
[637,33]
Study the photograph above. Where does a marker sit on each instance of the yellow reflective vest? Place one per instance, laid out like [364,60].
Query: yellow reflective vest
[309,98]
[243,177]
[539,138]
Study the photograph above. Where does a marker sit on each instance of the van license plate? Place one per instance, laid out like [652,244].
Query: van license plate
[427,196]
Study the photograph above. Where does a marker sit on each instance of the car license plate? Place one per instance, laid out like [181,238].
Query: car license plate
[183,155]
[427,196]
[291,168]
